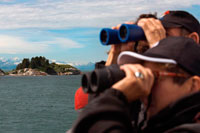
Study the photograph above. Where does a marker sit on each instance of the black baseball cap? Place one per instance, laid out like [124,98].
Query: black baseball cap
[174,50]
[180,18]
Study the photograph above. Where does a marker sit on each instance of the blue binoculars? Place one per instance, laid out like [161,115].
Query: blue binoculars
[126,33]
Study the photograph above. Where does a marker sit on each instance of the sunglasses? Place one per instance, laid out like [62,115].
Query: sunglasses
[158,74]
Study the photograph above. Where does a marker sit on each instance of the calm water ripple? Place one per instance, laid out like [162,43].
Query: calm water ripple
[41,104]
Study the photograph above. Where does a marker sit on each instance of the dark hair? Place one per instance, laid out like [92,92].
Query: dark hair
[150,15]
[184,31]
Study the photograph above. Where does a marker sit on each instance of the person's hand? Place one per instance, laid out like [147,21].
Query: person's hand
[123,46]
[153,29]
[116,49]
[132,87]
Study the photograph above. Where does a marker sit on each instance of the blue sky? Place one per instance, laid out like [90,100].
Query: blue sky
[68,30]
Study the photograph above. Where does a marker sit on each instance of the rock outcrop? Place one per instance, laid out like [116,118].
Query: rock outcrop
[27,72]
[36,72]
[2,73]
[70,71]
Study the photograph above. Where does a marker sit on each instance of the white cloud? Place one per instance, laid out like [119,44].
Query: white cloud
[6,0]
[77,13]
[18,45]
[67,43]
[64,43]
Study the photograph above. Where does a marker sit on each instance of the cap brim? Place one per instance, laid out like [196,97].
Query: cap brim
[128,57]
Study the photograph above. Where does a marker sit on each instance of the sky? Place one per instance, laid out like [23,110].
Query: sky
[68,30]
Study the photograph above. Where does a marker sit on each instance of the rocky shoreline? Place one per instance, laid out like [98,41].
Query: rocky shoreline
[36,72]
[27,72]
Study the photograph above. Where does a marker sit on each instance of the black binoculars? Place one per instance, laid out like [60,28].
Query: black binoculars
[126,33]
[100,79]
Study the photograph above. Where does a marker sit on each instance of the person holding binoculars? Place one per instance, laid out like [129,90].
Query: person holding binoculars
[116,49]
[166,78]
[173,23]
[80,99]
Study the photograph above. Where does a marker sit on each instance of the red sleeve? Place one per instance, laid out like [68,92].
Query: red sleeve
[81,99]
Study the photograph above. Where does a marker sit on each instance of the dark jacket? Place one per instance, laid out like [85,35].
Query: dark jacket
[110,113]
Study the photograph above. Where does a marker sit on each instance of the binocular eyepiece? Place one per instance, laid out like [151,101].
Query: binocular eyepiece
[100,79]
[126,33]
[109,36]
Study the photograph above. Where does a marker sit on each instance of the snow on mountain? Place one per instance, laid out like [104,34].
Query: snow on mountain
[85,67]
[9,64]
[81,66]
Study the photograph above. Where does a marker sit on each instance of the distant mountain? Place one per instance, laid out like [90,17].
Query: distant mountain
[85,67]
[9,64]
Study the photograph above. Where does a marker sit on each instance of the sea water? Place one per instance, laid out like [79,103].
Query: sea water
[37,104]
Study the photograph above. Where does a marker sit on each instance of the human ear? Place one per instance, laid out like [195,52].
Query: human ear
[195,84]
[194,36]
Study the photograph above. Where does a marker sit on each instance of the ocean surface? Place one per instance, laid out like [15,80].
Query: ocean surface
[37,104]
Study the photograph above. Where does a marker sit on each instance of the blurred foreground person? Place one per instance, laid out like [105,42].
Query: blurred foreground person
[165,78]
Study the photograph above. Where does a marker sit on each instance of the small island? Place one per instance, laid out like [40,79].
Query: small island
[40,66]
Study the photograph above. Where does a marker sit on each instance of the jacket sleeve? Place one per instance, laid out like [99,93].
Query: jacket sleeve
[107,113]
[185,128]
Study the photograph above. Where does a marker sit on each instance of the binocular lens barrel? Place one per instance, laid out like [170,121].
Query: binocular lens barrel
[101,79]
[85,81]
[109,36]
[123,32]
[94,82]
[130,32]
[126,33]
